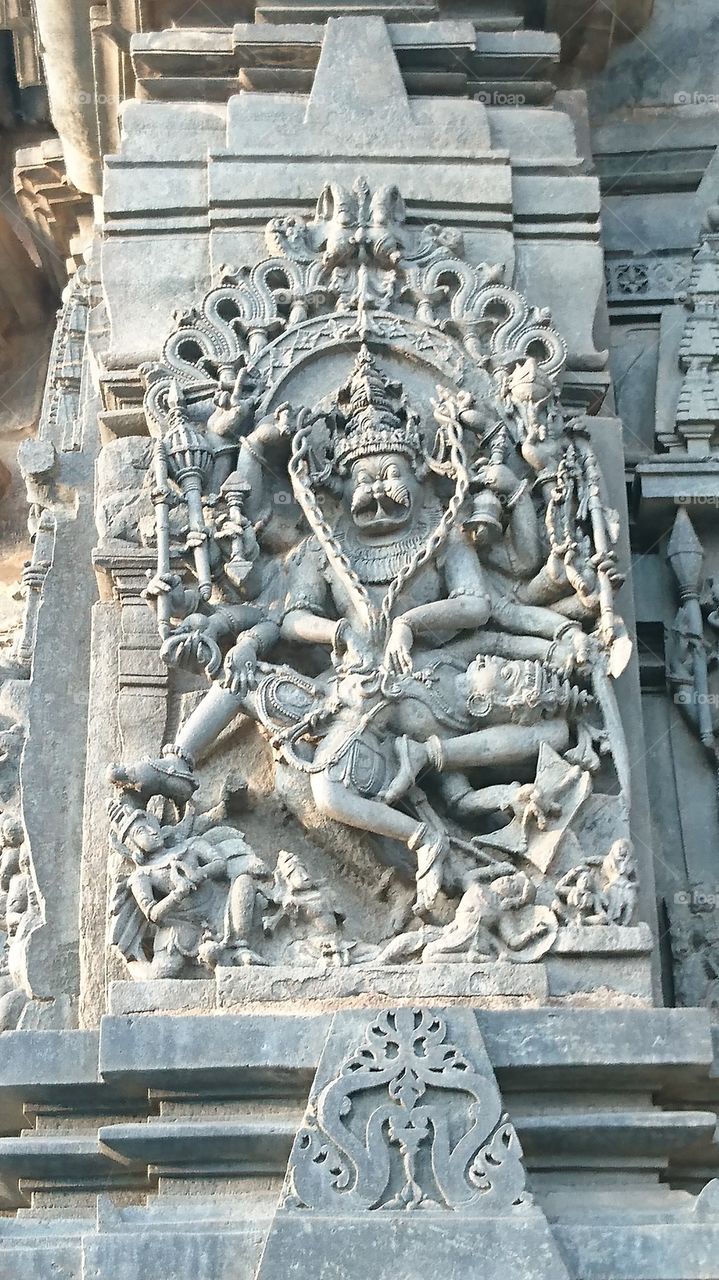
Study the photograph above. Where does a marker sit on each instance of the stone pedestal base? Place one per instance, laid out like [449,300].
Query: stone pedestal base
[607,963]
[388,1245]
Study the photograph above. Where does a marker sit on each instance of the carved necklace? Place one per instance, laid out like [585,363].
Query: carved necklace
[381,564]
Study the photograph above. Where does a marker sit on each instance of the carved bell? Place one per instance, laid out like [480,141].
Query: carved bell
[485,521]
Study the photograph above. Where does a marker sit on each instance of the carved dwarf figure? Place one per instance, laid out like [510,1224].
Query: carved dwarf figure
[297,898]
[600,890]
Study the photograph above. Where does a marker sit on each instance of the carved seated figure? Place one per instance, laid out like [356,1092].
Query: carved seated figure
[600,890]
[164,914]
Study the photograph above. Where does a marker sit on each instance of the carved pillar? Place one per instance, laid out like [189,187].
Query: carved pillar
[142,675]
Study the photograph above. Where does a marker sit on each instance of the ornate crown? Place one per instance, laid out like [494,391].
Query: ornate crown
[375,417]
[123,817]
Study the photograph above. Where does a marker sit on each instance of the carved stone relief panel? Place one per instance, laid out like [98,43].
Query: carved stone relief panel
[40,723]
[694,402]
[407,1122]
[385,594]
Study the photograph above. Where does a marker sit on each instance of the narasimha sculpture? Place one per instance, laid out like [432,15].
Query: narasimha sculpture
[388,553]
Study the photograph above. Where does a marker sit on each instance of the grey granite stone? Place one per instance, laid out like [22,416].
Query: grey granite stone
[303,1025]
[422,1074]
[421,983]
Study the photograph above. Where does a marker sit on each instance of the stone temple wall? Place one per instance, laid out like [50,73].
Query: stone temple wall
[359,699]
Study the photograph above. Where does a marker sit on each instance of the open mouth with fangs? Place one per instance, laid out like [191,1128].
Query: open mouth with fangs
[380,514]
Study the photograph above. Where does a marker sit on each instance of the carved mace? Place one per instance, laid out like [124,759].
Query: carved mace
[189,459]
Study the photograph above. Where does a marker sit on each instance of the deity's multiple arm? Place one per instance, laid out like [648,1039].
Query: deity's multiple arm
[520,551]
[489,554]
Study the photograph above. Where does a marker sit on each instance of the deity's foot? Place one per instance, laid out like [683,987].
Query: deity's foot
[406,946]
[169,776]
[413,757]
[477,803]
[228,954]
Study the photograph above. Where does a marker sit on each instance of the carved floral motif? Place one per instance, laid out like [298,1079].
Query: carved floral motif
[408,1123]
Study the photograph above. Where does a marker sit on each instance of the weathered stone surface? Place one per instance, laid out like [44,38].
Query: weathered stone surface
[424,983]
[341,829]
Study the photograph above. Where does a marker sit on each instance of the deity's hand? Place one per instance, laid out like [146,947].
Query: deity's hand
[275,427]
[541,449]
[574,648]
[160,909]
[184,890]
[285,420]
[163,493]
[606,562]
[233,528]
[195,538]
[187,879]
[235,404]
[166,584]
[192,643]
[398,652]
[498,477]
[240,674]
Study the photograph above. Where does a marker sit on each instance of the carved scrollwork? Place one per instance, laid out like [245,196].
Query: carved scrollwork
[357,256]
[408,1123]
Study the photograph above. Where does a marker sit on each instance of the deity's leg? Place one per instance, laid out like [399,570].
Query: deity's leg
[430,846]
[503,744]
[528,620]
[336,801]
[507,744]
[483,800]
[234,947]
[240,909]
[216,711]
